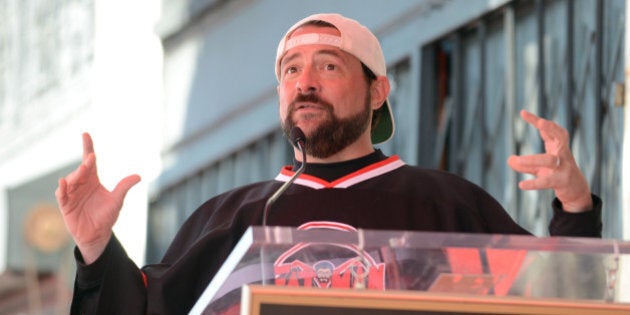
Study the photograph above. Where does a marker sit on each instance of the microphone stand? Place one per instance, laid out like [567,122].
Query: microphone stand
[286,185]
[297,137]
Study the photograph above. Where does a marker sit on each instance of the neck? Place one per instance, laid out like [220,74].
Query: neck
[360,148]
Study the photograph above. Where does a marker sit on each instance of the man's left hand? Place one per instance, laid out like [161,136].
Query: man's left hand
[556,168]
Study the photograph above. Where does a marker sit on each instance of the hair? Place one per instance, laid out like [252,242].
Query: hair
[378,113]
[367,72]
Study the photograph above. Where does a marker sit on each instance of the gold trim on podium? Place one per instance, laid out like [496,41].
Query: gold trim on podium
[299,300]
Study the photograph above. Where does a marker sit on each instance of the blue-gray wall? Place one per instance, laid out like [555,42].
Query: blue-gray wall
[220,111]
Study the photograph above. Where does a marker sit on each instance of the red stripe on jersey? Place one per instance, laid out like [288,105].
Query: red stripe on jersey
[361,175]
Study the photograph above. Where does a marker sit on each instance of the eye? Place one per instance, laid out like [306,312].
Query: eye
[330,67]
[289,71]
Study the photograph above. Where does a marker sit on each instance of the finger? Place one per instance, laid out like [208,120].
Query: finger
[537,183]
[60,193]
[90,162]
[531,164]
[530,118]
[62,196]
[549,131]
[88,145]
[87,168]
[84,176]
[124,185]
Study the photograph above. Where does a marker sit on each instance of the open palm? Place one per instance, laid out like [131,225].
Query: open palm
[88,208]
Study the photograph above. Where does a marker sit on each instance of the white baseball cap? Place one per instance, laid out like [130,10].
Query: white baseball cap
[356,40]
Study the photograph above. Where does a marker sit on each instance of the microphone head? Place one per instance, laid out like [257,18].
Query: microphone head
[297,135]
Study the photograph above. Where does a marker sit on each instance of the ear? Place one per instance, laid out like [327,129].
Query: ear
[380,90]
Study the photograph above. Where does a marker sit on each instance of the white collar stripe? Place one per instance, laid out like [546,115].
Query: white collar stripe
[370,174]
[359,176]
[282,177]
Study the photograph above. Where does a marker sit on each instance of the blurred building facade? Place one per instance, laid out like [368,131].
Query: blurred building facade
[183,92]
[461,71]
[67,67]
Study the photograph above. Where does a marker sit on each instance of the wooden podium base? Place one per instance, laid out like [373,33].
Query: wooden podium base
[267,300]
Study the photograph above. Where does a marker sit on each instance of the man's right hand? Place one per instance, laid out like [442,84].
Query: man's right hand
[89,209]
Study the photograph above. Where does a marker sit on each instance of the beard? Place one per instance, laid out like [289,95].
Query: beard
[333,134]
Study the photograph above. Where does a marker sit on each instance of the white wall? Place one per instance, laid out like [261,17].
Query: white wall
[118,102]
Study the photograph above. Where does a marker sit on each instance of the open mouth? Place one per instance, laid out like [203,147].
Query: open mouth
[307,106]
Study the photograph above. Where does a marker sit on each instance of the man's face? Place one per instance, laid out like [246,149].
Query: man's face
[323,90]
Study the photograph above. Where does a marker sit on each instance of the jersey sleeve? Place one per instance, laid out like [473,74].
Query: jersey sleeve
[582,224]
[113,284]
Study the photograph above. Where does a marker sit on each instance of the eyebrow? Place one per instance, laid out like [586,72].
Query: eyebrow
[331,52]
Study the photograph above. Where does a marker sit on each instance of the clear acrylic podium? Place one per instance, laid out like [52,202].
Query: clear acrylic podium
[280,270]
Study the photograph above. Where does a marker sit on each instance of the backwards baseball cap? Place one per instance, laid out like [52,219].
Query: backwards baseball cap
[356,40]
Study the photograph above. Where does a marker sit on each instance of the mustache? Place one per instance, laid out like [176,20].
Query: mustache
[309,98]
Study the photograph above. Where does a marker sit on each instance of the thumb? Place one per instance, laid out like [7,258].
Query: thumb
[121,189]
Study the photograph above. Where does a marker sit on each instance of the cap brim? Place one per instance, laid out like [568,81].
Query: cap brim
[384,130]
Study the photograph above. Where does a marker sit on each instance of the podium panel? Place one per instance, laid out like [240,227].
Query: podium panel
[449,268]
[275,300]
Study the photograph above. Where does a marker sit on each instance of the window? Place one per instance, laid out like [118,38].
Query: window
[554,58]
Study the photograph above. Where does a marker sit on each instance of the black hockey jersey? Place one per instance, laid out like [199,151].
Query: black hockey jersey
[374,192]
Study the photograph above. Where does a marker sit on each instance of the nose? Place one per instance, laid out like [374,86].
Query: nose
[307,82]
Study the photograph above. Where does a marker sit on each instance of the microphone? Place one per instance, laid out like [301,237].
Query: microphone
[297,138]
